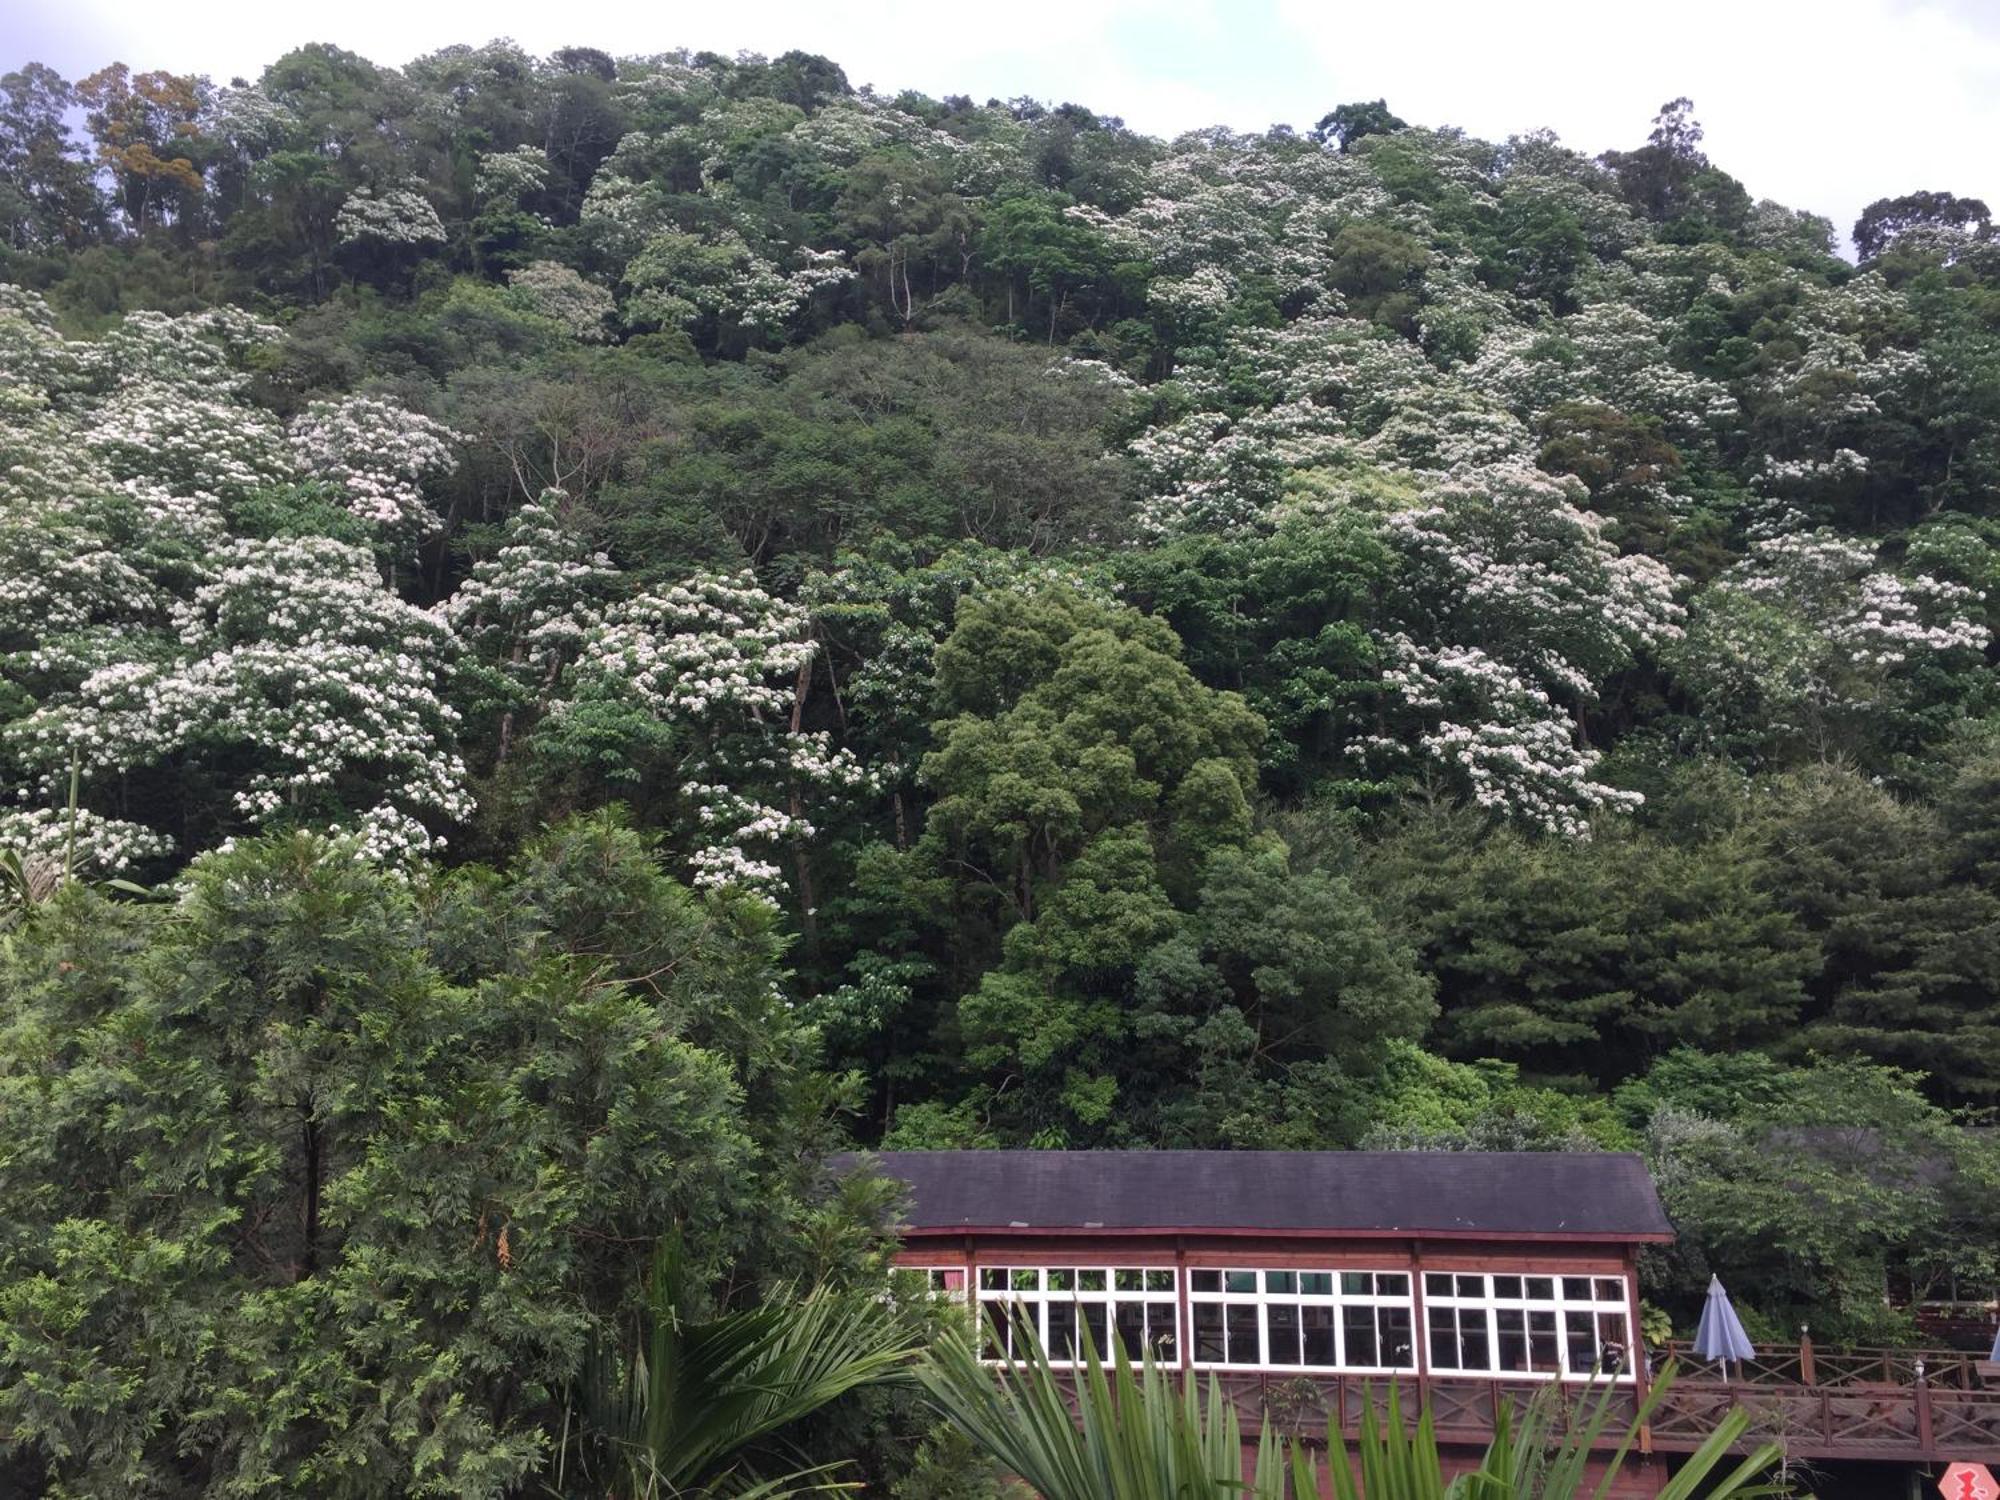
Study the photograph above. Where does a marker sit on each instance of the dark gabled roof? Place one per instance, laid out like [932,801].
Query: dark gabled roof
[1473,1194]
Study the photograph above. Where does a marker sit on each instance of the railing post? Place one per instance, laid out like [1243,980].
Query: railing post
[1924,1411]
[1808,1368]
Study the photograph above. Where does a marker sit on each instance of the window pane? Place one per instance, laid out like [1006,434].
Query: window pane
[1472,1341]
[1132,1329]
[1472,1286]
[1090,1281]
[1095,1319]
[1356,1283]
[1281,1332]
[1281,1281]
[993,1334]
[1358,1329]
[1316,1283]
[1541,1288]
[1205,1281]
[1239,1281]
[1128,1281]
[1580,1331]
[1444,1338]
[1162,1319]
[1392,1284]
[1610,1289]
[1241,1318]
[1507,1286]
[1062,1281]
[1159,1281]
[1436,1285]
[1399,1348]
[1513,1339]
[1316,1324]
[1025,1281]
[1062,1330]
[1208,1345]
[992,1279]
[1611,1347]
[1576,1288]
[1542,1341]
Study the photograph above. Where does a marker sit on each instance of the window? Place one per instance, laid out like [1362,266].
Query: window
[1140,1305]
[1568,1326]
[1305,1320]
[946,1281]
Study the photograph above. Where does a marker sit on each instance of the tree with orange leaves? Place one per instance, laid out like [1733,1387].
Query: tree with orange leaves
[144,126]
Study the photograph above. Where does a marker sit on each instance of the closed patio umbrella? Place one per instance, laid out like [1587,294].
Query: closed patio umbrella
[1995,1355]
[1720,1334]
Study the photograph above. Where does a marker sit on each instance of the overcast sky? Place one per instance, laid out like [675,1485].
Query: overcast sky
[1821,104]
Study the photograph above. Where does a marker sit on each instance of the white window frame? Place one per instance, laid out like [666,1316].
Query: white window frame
[1339,1300]
[1159,1286]
[1560,1302]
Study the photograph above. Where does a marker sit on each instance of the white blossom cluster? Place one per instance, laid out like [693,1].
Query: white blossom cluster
[561,295]
[721,659]
[142,634]
[392,217]
[1511,744]
[530,606]
[678,280]
[1811,629]
[51,836]
[379,454]
[510,176]
[293,661]
[1508,555]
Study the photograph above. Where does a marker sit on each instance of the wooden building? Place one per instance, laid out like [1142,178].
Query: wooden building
[1304,1282]
[1364,1263]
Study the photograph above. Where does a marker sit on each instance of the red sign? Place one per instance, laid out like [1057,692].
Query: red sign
[1969,1482]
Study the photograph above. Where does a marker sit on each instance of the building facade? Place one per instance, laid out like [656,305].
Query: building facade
[1522,1266]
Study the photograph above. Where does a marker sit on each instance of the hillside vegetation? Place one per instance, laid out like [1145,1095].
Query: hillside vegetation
[648,615]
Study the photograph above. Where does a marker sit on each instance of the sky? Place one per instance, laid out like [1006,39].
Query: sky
[1820,104]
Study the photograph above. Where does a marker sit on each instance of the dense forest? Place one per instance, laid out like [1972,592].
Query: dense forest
[579,632]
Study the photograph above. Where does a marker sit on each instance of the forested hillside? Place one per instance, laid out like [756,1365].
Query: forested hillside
[621,620]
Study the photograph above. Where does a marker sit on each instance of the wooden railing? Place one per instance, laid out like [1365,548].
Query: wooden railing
[1863,1413]
[1804,1364]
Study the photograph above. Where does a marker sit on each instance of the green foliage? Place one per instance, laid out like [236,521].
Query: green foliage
[684,1409]
[1133,1436]
[337,1180]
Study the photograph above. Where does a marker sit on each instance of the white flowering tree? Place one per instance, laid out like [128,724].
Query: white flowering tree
[508,177]
[386,232]
[298,680]
[378,455]
[1509,556]
[1493,733]
[394,218]
[528,609]
[1812,641]
[1510,611]
[694,282]
[141,638]
[723,667]
[560,294]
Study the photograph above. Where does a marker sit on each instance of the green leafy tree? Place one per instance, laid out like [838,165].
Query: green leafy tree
[323,1182]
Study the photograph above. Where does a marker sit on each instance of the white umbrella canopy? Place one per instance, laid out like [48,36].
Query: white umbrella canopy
[1720,1334]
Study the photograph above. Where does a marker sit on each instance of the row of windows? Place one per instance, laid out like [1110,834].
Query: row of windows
[1360,1321]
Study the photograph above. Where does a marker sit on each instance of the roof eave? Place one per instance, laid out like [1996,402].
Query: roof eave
[1238,1232]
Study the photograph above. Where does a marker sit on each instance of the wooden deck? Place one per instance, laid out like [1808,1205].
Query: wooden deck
[1863,1404]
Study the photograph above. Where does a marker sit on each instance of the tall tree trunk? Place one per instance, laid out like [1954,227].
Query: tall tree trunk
[313,1147]
[801,857]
